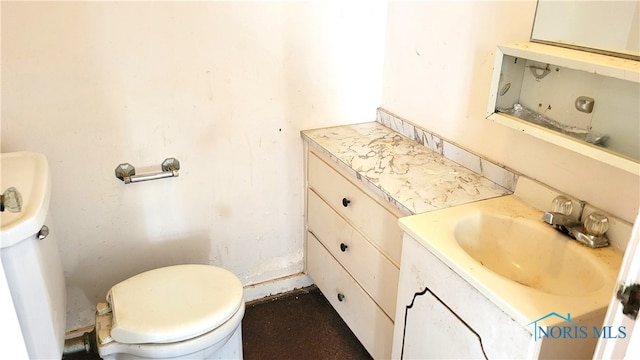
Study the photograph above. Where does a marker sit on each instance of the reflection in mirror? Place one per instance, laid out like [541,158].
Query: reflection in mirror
[611,26]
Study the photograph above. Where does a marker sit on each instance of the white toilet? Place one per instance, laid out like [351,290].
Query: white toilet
[184,311]
[179,311]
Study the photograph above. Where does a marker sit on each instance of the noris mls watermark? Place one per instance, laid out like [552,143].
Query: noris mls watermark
[570,330]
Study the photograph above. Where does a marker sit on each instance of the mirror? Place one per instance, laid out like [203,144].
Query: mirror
[610,27]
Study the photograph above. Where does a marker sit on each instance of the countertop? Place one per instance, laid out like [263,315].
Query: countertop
[410,176]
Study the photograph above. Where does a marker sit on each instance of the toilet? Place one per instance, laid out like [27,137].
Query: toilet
[189,311]
[192,311]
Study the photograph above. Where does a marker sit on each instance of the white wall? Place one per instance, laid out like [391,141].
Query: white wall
[224,87]
[438,63]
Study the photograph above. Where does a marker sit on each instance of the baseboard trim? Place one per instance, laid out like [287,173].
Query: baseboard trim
[276,286]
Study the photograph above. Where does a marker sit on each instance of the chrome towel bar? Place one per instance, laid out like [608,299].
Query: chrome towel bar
[127,172]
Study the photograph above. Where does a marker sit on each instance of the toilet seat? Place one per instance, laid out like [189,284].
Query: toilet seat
[173,303]
[201,347]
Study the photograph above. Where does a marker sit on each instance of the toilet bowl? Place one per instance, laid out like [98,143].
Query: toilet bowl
[186,311]
[183,311]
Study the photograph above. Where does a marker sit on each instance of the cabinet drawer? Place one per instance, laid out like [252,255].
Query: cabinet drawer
[367,215]
[367,321]
[375,273]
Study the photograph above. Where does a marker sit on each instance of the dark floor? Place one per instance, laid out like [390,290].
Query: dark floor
[296,325]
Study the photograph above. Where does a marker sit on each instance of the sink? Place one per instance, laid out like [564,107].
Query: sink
[29,173]
[528,252]
[503,249]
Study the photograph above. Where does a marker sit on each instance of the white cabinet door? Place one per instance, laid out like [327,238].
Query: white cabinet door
[444,323]
[433,331]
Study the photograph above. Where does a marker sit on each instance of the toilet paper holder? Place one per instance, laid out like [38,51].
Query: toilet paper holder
[127,172]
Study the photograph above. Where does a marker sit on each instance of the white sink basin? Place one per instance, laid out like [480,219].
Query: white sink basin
[29,174]
[502,248]
[528,252]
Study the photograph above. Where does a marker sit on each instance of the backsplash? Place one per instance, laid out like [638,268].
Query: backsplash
[537,194]
[498,174]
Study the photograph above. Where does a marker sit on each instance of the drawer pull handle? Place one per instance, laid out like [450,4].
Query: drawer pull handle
[345,202]
[340,297]
[343,247]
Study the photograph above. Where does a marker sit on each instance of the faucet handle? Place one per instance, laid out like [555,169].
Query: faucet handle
[562,204]
[596,224]
[11,200]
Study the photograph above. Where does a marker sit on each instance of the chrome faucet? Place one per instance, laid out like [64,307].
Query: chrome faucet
[591,232]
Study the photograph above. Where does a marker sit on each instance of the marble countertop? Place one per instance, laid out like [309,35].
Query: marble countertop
[410,176]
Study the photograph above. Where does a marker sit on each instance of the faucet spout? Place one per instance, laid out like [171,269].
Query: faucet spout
[574,229]
[557,219]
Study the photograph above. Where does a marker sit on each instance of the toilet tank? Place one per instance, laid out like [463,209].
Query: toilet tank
[31,262]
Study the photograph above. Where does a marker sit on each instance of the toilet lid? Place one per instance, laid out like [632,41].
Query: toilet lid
[173,303]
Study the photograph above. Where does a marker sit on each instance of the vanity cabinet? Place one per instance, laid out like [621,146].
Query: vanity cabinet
[353,249]
[440,315]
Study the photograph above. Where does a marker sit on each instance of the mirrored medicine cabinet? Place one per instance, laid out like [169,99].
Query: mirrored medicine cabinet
[607,26]
[582,101]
